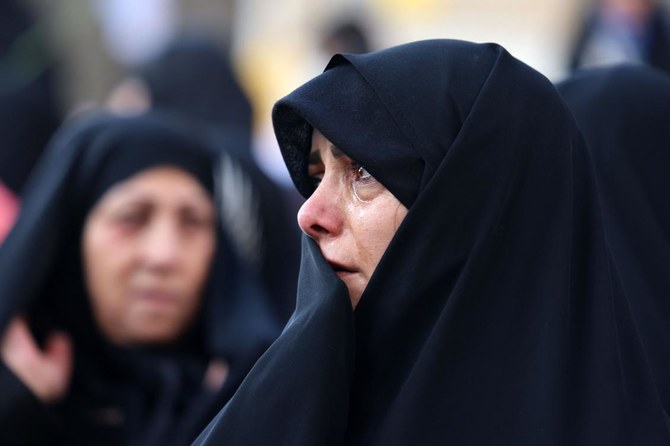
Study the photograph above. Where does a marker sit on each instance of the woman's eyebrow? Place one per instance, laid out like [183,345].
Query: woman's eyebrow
[315,154]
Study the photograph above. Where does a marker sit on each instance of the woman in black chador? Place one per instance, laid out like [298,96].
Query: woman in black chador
[624,115]
[126,317]
[451,204]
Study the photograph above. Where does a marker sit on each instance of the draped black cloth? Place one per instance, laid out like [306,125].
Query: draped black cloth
[496,315]
[624,114]
[140,396]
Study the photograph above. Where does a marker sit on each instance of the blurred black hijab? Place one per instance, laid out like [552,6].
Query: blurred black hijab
[624,114]
[121,395]
[494,316]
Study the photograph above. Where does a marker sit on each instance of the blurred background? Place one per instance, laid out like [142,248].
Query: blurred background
[275,46]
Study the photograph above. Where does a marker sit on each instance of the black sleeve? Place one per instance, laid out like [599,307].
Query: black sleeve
[23,418]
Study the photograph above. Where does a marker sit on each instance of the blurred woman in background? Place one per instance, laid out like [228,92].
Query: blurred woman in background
[127,317]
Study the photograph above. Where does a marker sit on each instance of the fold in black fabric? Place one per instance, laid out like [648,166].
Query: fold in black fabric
[154,395]
[495,315]
[624,114]
[298,393]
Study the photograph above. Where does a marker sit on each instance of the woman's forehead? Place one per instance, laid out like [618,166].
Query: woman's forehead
[161,181]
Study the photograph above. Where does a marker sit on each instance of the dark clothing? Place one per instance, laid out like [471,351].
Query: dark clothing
[624,114]
[130,396]
[496,315]
[299,390]
[24,420]
[28,110]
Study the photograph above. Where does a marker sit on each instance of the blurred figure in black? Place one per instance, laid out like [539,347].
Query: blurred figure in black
[346,36]
[126,317]
[28,113]
[194,80]
[616,31]
[623,114]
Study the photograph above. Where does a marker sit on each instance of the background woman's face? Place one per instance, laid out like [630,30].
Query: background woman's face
[350,215]
[147,249]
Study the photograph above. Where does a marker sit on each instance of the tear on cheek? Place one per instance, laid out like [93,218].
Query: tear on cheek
[367,191]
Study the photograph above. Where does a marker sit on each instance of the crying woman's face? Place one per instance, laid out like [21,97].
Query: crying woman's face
[350,215]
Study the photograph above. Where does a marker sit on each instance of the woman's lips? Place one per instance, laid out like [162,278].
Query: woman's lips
[342,271]
[343,274]
[156,297]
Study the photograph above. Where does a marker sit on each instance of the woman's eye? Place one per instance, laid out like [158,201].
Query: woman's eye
[365,186]
[131,219]
[195,222]
[362,174]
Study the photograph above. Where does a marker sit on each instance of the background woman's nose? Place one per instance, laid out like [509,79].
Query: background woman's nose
[161,247]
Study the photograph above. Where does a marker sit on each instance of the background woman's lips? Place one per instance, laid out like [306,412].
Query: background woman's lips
[157,297]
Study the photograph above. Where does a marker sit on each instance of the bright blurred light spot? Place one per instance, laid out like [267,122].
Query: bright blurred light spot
[134,31]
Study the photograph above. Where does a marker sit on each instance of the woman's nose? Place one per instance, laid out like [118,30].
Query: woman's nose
[320,216]
[161,248]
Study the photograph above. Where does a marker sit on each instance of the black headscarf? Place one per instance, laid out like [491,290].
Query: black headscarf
[494,316]
[624,114]
[160,391]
